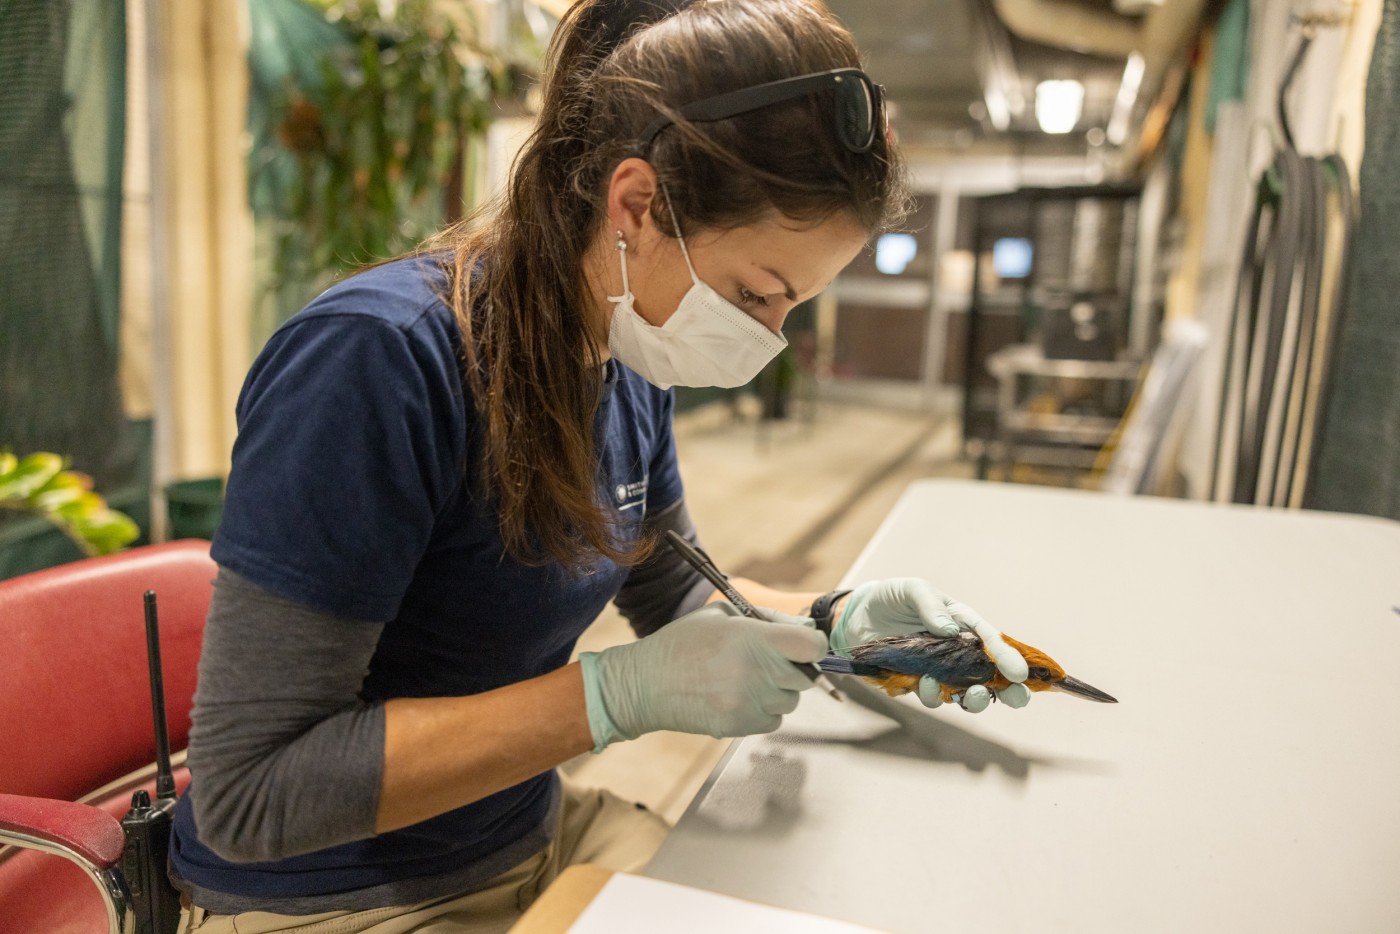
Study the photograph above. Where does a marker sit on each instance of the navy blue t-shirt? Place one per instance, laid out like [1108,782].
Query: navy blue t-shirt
[348,494]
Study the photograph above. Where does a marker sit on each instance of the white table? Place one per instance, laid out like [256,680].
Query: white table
[1248,780]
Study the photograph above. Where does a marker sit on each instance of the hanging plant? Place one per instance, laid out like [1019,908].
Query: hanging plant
[360,110]
[41,484]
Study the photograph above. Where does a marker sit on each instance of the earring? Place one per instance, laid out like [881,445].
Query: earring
[621,243]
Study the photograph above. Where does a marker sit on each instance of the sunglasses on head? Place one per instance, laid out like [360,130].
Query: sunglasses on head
[860,105]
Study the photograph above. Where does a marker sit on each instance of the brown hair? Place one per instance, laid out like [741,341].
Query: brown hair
[516,281]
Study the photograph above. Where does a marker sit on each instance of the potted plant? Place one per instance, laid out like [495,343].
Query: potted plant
[41,484]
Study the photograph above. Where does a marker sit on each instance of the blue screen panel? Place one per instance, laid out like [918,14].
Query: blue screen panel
[1011,257]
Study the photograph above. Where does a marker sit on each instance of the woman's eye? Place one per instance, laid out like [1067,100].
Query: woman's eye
[747,297]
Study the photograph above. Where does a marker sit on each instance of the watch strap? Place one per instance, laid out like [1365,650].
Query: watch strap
[823,609]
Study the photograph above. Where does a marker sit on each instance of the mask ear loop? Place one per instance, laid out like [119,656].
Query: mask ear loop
[626,286]
[676,221]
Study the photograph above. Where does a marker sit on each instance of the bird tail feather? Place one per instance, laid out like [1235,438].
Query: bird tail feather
[837,665]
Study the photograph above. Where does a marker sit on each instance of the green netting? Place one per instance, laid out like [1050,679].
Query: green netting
[62,113]
[1359,469]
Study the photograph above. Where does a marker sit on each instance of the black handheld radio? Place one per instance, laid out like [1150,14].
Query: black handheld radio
[154,900]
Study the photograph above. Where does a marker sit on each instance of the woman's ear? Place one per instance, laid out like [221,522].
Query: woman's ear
[630,193]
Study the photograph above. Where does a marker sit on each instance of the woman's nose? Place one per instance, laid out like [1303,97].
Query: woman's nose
[772,316]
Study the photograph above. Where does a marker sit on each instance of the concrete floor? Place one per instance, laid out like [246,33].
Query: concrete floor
[791,505]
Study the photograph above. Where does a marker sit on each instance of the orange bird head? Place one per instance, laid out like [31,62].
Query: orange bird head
[1047,675]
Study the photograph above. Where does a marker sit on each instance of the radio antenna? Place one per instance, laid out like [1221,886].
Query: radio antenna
[165,780]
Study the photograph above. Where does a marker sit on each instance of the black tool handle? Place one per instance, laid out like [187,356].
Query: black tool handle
[711,572]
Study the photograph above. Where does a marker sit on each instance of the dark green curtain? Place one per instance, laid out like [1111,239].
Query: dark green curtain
[1359,470]
[62,116]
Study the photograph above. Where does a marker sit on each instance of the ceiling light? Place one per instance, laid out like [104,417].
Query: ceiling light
[1058,105]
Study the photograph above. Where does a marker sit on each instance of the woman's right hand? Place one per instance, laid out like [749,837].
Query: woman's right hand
[712,671]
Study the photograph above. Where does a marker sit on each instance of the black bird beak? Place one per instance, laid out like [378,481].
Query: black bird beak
[1080,689]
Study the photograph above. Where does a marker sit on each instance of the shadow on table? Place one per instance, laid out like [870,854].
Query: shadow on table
[761,789]
[920,735]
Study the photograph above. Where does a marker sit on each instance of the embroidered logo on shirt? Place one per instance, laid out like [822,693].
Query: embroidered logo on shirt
[631,494]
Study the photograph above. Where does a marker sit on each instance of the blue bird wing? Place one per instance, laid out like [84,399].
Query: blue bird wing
[956,662]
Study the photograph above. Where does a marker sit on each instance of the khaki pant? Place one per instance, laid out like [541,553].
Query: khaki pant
[595,827]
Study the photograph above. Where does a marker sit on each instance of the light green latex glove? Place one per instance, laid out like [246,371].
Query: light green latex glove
[712,671]
[899,606]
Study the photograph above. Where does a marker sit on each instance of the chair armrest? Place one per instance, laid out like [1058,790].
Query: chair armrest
[88,837]
[90,833]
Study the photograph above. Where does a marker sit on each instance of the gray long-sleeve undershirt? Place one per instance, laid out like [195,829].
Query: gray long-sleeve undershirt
[287,758]
[664,587]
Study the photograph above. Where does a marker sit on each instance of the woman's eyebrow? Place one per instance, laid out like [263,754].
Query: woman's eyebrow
[790,294]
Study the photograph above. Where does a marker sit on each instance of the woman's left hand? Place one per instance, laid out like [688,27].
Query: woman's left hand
[899,606]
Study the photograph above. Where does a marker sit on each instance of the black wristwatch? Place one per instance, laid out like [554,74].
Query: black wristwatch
[823,609]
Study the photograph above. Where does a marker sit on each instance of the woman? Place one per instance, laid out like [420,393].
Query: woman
[449,464]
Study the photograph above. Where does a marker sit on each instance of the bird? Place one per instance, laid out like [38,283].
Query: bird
[896,664]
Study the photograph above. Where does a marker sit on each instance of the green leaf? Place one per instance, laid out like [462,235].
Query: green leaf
[38,483]
[57,495]
[79,508]
[106,530]
[30,475]
[64,480]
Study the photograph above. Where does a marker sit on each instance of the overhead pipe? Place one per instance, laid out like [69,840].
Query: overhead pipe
[1167,33]
[1161,37]
[996,67]
[1071,25]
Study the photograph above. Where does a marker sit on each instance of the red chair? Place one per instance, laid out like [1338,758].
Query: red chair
[76,734]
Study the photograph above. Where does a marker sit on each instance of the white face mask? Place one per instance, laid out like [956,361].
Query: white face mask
[707,342]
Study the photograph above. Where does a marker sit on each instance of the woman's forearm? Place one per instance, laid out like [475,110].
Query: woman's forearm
[784,601]
[441,753]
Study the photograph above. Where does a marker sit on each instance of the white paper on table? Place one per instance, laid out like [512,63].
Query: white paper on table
[633,904]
